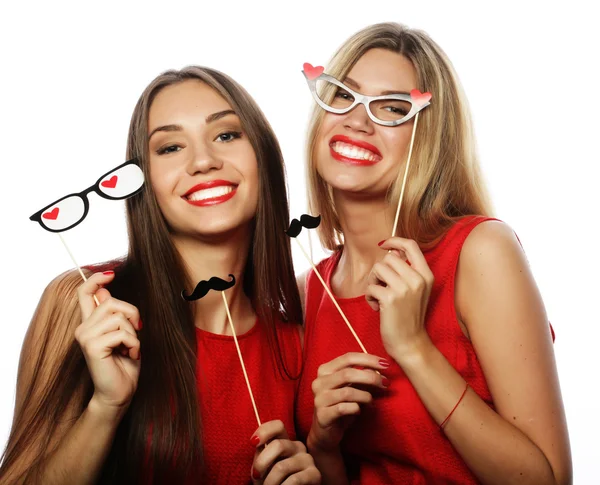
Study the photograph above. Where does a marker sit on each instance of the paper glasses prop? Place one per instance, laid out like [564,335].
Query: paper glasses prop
[218,284]
[387,110]
[65,213]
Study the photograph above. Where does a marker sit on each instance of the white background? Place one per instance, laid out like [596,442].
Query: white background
[72,73]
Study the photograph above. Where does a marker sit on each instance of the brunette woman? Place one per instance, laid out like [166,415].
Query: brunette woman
[147,387]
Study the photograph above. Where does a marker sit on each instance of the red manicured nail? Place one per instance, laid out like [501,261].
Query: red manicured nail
[385,381]
[254,441]
[108,273]
[380,242]
[384,363]
[140,323]
[139,355]
[255,474]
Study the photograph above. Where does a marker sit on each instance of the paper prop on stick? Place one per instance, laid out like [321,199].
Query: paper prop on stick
[311,222]
[388,110]
[307,221]
[204,287]
[65,213]
[218,284]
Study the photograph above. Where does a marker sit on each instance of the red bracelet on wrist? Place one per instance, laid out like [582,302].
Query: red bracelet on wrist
[454,409]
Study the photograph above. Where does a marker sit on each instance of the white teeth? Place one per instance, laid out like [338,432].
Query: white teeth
[210,193]
[352,151]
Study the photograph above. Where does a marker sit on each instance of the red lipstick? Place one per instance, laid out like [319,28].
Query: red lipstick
[213,200]
[357,143]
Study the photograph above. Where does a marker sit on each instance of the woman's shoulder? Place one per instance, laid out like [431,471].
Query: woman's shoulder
[325,266]
[490,240]
[64,286]
[491,252]
[304,279]
[460,230]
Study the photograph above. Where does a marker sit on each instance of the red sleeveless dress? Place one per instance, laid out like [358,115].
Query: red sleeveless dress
[228,419]
[394,441]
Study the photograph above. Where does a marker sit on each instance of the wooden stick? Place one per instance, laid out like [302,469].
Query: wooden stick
[240,356]
[412,140]
[75,262]
[331,296]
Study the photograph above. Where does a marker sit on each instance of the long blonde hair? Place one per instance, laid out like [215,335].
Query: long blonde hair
[445,180]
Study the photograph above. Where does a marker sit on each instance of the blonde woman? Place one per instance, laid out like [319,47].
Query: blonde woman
[460,383]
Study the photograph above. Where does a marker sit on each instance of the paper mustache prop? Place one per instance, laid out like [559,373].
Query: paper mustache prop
[204,287]
[307,221]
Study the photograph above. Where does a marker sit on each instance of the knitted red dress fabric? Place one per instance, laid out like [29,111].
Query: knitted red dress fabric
[395,440]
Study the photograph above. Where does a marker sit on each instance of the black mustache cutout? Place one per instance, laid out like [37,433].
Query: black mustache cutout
[307,221]
[204,287]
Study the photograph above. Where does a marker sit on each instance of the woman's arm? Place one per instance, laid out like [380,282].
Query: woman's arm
[330,464]
[80,454]
[47,444]
[525,440]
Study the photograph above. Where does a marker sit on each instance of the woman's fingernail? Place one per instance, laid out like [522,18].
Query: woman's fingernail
[380,242]
[108,273]
[140,323]
[385,381]
[255,474]
[255,440]
[139,355]
[384,363]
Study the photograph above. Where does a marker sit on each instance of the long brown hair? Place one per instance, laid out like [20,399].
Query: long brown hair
[151,277]
[445,180]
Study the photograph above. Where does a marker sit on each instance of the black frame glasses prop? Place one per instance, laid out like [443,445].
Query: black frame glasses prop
[121,182]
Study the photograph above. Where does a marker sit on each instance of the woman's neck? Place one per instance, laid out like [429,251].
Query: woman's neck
[364,224]
[204,259]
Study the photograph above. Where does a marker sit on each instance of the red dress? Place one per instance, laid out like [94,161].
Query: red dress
[394,441]
[228,419]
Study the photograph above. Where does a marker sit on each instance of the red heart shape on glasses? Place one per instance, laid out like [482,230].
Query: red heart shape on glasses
[52,215]
[312,72]
[420,98]
[110,183]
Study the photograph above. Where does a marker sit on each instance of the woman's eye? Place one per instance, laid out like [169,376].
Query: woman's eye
[343,95]
[168,149]
[229,136]
[394,109]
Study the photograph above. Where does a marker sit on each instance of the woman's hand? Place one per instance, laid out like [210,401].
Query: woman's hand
[107,336]
[278,460]
[338,401]
[399,288]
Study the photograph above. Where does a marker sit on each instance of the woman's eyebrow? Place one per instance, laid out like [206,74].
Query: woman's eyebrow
[356,86]
[220,114]
[209,119]
[166,128]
